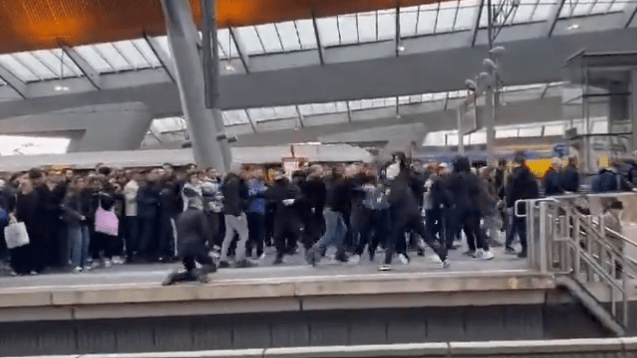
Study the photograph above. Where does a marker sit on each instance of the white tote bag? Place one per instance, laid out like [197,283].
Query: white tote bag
[16,233]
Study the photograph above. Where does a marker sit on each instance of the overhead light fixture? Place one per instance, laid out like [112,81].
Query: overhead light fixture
[229,67]
[573,27]
[401,47]
[61,88]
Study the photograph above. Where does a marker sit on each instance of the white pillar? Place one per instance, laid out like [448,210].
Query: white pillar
[203,126]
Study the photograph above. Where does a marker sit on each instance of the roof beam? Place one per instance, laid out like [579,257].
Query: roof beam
[631,12]
[321,49]
[154,135]
[91,74]
[300,116]
[554,17]
[241,47]
[476,23]
[163,57]
[14,82]
[399,47]
[252,124]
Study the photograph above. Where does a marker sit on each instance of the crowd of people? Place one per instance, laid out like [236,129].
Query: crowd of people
[79,221]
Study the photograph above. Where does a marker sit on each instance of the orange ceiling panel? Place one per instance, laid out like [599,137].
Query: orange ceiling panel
[40,24]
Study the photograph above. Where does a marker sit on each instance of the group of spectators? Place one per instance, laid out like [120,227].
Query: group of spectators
[359,209]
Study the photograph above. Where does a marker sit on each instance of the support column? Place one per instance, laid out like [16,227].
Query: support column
[632,105]
[460,111]
[489,125]
[183,37]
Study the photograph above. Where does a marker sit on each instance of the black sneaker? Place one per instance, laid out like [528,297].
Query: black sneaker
[470,253]
[170,280]
[510,251]
[522,255]
[278,260]
[245,264]
[224,264]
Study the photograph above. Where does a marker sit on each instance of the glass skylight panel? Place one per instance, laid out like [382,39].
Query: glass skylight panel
[306,33]
[328,30]
[408,21]
[288,35]
[16,68]
[525,11]
[236,117]
[132,54]
[479,137]
[144,49]
[348,29]
[227,45]
[543,10]
[163,45]
[531,132]
[446,16]
[583,7]
[93,58]
[261,114]
[466,15]
[269,38]
[356,105]
[386,24]
[33,64]
[285,111]
[568,8]
[378,102]
[599,127]
[403,100]
[341,107]
[248,35]
[54,61]
[484,19]
[435,139]
[618,5]
[506,133]
[427,19]
[554,130]
[601,7]
[113,57]
[367,26]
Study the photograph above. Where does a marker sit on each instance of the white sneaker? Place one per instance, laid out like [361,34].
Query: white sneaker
[354,260]
[445,264]
[77,269]
[384,267]
[403,259]
[484,255]
[435,259]
[107,263]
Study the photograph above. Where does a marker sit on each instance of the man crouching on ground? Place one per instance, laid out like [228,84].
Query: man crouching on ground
[192,235]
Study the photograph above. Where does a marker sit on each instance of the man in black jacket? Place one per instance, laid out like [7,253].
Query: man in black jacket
[235,201]
[288,221]
[523,187]
[193,235]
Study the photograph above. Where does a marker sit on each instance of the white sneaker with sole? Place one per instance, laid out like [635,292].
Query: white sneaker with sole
[384,268]
[403,259]
[484,255]
[354,260]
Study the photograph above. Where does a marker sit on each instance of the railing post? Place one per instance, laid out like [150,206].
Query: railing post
[578,247]
[542,246]
[626,289]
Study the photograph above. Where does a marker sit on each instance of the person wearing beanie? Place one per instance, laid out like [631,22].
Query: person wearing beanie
[193,236]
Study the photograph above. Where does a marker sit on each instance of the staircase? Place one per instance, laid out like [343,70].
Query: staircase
[585,256]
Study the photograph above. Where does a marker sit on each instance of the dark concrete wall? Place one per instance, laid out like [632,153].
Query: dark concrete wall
[298,329]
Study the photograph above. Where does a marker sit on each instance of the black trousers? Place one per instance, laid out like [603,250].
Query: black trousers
[403,222]
[256,228]
[190,258]
[287,231]
[469,221]
[106,245]
[131,235]
[373,228]
[148,238]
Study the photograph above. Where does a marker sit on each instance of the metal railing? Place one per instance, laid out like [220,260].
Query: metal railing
[568,241]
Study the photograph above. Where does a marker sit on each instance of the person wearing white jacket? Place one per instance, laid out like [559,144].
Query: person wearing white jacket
[131,223]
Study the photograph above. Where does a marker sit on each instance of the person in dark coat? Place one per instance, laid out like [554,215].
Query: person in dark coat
[606,181]
[465,191]
[553,179]
[315,194]
[523,187]
[570,177]
[193,237]
[147,211]
[288,221]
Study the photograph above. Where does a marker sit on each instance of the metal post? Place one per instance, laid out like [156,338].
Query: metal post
[489,106]
[543,239]
[626,289]
[183,37]
[578,247]
[209,15]
[460,130]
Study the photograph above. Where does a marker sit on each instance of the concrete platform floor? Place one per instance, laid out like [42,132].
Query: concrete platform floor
[294,268]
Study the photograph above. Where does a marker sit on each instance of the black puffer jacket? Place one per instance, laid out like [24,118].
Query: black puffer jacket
[524,186]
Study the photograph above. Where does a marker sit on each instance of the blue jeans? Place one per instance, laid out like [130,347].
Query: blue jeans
[79,239]
[335,230]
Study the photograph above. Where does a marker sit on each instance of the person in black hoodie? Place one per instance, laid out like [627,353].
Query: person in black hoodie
[288,221]
[45,216]
[405,215]
[194,238]
[315,194]
[337,206]
[553,179]
[235,201]
[147,213]
[465,191]
[523,186]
